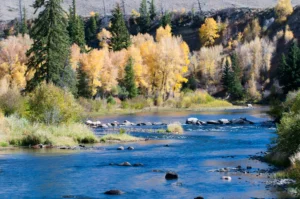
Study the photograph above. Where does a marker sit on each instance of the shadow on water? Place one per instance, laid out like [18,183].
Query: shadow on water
[88,174]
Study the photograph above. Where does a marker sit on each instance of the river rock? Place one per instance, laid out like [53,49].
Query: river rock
[104,126]
[114,192]
[157,123]
[130,148]
[249,167]
[125,164]
[89,122]
[191,120]
[249,106]
[213,122]
[199,197]
[148,124]
[171,176]
[224,121]
[226,178]
[127,123]
[138,165]
[115,123]
[121,148]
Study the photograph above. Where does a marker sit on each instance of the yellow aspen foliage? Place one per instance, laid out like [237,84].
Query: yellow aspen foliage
[283,9]
[163,32]
[140,39]
[141,72]
[119,60]
[92,66]
[104,37]
[288,35]
[252,30]
[209,32]
[75,56]
[13,59]
[109,72]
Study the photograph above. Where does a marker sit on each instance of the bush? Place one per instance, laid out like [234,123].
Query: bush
[122,131]
[159,101]
[11,102]
[51,105]
[111,101]
[90,105]
[175,128]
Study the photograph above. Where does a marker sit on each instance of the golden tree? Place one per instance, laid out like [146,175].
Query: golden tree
[13,60]
[209,32]
[283,9]
[163,32]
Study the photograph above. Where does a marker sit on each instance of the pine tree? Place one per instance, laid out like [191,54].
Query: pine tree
[76,27]
[50,51]
[166,20]
[289,70]
[24,26]
[144,20]
[120,35]
[91,29]
[237,90]
[152,10]
[83,84]
[129,79]
[227,76]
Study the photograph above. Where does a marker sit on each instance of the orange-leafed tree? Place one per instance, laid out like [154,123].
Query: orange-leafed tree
[209,32]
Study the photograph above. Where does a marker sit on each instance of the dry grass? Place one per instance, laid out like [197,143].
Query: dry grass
[20,132]
[175,128]
[119,138]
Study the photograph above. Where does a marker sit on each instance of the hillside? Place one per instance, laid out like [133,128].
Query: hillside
[10,9]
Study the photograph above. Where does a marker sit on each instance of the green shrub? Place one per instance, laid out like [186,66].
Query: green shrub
[122,131]
[125,105]
[90,105]
[3,144]
[11,102]
[111,100]
[159,101]
[51,105]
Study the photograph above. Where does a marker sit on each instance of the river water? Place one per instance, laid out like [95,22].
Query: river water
[194,155]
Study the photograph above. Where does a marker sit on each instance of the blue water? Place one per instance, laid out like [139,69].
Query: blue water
[87,174]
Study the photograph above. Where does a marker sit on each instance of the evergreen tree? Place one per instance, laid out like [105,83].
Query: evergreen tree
[231,80]
[24,26]
[83,84]
[120,35]
[50,51]
[289,70]
[76,27]
[152,10]
[91,29]
[166,20]
[129,80]
[144,20]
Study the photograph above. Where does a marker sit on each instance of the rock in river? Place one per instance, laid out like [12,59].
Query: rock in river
[138,165]
[130,148]
[114,192]
[171,176]
[125,164]
[213,122]
[226,178]
[199,197]
[224,121]
[121,148]
[192,120]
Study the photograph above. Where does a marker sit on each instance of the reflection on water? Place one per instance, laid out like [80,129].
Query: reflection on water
[87,174]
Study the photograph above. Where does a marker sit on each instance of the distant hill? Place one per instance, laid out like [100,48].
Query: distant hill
[9,9]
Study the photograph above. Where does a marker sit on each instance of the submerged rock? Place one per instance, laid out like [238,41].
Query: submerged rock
[138,165]
[199,197]
[121,148]
[224,121]
[114,192]
[171,176]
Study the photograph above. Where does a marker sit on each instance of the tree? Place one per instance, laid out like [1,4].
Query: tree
[83,89]
[162,32]
[24,26]
[120,35]
[129,80]
[283,9]
[50,50]
[236,90]
[289,70]
[227,77]
[76,27]
[252,31]
[166,20]
[152,10]
[91,29]
[209,32]
[144,20]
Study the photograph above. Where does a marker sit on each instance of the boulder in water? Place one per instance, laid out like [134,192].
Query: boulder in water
[199,197]
[213,122]
[125,164]
[226,178]
[191,120]
[114,192]
[130,148]
[121,148]
[171,176]
[224,121]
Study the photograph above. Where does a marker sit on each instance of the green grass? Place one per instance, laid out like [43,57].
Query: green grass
[20,132]
[119,138]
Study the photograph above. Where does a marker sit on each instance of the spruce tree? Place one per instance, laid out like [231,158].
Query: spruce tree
[289,70]
[144,20]
[91,29]
[76,27]
[166,20]
[24,26]
[120,35]
[129,80]
[82,84]
[237,90]
[49,53]
[227,76]
[152,10]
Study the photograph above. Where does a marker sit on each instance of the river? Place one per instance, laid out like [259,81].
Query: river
[195,155]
